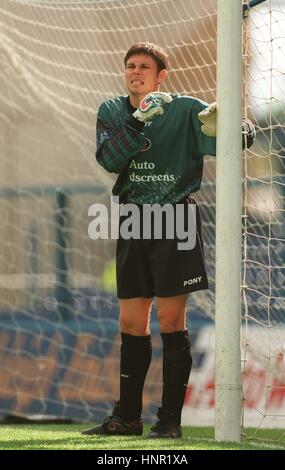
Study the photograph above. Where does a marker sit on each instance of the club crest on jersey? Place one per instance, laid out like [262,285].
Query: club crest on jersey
[103,135]
[146,146]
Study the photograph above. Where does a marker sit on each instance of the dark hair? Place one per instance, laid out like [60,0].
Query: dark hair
[147,48]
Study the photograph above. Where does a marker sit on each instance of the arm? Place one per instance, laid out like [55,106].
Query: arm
[116,146]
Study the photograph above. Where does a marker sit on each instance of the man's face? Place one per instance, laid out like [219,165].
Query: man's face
[142,76]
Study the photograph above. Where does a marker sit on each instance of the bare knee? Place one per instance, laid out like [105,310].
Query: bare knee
[169,324]
[171,313]
[134,327]
[171,319]
[135,316]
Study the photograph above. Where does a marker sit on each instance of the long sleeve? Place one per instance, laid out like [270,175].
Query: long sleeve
[117,141]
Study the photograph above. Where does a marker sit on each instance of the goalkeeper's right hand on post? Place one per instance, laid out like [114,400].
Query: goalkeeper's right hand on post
[152,106]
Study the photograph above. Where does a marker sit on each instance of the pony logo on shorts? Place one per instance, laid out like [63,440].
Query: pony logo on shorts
[146,146]
[195,280]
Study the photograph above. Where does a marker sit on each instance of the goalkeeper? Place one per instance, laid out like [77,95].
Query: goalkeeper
[156,143]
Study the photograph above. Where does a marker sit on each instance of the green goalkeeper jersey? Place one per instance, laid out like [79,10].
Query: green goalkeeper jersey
[157,162]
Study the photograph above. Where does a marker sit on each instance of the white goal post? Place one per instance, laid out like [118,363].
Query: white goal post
[228,222]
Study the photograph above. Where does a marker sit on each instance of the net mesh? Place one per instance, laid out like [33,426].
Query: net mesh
[264,235]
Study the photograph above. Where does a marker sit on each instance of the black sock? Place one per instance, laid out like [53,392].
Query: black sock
[177,362]
[135,362]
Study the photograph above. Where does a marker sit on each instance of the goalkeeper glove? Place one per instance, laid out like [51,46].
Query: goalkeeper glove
[152,105]
[248,133]
[208,117]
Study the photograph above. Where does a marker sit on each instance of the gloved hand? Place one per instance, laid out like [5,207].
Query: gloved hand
[152,105]
[208,117]
[248,133]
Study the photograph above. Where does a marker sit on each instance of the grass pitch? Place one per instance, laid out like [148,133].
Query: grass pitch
[68,437]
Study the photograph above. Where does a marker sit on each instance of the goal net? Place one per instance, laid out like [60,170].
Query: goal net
[263,283]
[58,310]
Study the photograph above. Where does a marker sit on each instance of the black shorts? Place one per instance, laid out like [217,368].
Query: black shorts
[155,267]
